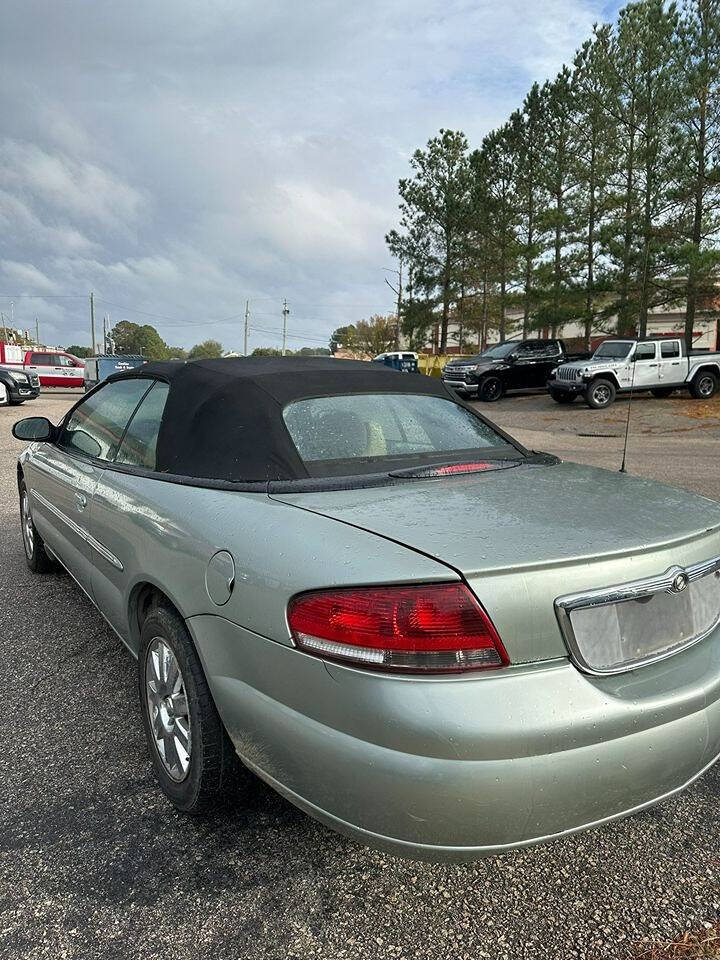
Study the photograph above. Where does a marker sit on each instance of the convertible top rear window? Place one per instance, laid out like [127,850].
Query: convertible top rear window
[359,433]
[230,420]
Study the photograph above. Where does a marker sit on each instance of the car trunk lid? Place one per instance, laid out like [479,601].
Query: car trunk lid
[523,537]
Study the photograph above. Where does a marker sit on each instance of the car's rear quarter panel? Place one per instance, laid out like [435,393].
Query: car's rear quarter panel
[166,533]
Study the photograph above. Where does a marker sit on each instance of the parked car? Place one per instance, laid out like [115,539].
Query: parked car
[17,386]
[55,368]
[512,365]
[104,365]
[413,628]
[403,360]
[661,365]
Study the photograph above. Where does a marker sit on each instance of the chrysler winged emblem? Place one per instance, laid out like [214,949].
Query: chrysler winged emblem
[680,583]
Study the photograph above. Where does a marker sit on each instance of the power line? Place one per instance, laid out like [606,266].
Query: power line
[42,296]
[160,316]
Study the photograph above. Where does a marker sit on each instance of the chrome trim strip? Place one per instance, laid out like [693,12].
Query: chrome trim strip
[80,531]
[634,590]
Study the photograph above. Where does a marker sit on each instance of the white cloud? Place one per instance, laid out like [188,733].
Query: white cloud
[27,277]
[77,188]
[179,158]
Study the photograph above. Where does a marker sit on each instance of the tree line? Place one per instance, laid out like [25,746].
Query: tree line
[595,202]
[144,340]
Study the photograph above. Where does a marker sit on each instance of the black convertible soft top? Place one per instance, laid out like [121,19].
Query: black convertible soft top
[223,418]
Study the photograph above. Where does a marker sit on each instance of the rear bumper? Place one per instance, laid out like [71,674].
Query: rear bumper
[456,769]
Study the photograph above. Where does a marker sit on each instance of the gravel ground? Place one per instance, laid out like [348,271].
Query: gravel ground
[94,863]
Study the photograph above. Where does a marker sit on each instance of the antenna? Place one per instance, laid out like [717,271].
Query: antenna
[627,422]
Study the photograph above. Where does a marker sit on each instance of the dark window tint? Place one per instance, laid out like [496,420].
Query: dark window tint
[42,359]
[499,350]
[96,425]
[365,431]
[645,351]
[671,349]
[140,440]
[538,351]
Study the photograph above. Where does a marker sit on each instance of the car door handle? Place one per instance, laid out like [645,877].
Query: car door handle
[80,501]
[652,364]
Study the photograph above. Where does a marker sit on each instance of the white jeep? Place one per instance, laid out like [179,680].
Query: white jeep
[660,365]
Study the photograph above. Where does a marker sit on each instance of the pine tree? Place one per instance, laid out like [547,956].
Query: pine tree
[558,168]
[434,212]
[495,166]
[594,149]
[657,104]
[695,143]
[621,49]
[530,135]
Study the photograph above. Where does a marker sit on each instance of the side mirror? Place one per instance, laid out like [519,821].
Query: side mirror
[33,428]
[511,358]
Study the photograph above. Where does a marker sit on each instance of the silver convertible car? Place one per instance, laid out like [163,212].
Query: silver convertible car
[421,633]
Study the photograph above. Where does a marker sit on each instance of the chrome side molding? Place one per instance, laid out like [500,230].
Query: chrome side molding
[78,530]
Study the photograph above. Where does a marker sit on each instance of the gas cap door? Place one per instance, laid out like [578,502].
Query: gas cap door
[220,577]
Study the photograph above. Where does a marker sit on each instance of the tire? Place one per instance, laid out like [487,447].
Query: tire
[662,392]
[704,385]
[36,556]
[180,718]
[560,396]
[490,390]
[600,393]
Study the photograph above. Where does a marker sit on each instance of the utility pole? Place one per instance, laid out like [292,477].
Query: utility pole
[2,315]
[286,313]
[92,323]
[247,328]
[105,334]
[37,332]
[398,292]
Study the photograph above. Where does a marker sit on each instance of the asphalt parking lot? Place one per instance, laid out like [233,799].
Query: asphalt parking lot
[94,863]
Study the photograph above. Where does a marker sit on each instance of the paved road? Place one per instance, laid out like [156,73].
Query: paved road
[676,440]
[94,863]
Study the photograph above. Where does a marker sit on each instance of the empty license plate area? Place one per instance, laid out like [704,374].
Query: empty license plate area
[624,627]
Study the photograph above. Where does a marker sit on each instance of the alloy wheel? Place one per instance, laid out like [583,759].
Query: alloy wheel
[168,710]
[706,387]
[28,532]
[491,389]
[601,394]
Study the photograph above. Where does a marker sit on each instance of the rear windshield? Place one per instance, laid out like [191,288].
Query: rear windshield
[371,433]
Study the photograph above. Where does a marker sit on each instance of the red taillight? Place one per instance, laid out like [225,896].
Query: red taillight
[432,628]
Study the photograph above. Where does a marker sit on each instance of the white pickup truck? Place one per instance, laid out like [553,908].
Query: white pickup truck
[660,365]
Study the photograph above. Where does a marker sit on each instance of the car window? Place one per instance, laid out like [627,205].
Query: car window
[140,441]
[499,350]
[64,361]
[95,427]
[42,359]
[613,350]
[539,350]
[671,349]
[645,351]
[359,432]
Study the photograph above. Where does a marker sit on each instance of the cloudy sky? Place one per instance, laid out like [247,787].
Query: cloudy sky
[179,157]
